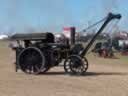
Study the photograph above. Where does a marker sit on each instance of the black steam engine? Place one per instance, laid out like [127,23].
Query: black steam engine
[38,52]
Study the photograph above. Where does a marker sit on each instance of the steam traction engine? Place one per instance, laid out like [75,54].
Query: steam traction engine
[37,52]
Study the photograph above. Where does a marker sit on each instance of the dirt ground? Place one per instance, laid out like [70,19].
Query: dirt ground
[105,77]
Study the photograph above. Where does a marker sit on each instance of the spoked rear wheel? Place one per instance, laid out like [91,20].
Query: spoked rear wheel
[75,65]
[31,60]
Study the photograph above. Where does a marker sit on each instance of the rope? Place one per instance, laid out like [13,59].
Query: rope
[84,30]
[110,29]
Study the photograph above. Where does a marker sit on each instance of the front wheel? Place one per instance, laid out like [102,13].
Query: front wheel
[76,65]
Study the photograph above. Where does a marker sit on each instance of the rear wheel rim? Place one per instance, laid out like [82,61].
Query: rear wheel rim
[31,60]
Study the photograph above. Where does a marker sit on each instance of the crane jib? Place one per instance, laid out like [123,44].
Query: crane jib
[108,19]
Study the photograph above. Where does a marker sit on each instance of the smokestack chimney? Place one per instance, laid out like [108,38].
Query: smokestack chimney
[72,33]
